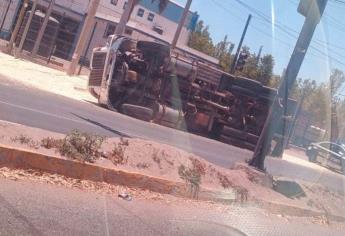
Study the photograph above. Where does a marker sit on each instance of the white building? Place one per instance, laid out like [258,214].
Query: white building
[146,23]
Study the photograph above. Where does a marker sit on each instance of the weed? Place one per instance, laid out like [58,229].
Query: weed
[169,162]
[191,177]
[124,142]
[241,194]
[224,181]
[82,146]
[50,143]
[143,165]
[23,139]
[198,166]
[118,153]
[156,158]
[166,157]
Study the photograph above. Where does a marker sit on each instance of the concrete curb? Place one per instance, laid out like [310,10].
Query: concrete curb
[24,159]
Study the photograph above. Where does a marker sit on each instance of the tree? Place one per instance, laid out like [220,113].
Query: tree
[336,81]
[201,40]
[265,70]
[222,51]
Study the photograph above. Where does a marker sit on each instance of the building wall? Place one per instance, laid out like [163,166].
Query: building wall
[167,20]
[7,19]
[109,14]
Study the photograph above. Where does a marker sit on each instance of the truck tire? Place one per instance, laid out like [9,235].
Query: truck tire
[246,83]
[252,138]
[159,48]
[234,133]
[237,142]
[138,112]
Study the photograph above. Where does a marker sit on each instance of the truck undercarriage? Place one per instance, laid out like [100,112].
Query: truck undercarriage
[145,80]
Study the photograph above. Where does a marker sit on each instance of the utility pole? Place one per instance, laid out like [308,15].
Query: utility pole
[88,46]
[27,26]
[312,10]
[259,55]
[180,25]
[84,35]
[234,62]
[121,26]
[296,115]
[4,18]
[42,28]
[18,24]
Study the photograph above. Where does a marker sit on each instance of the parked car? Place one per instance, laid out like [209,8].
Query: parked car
[329,154]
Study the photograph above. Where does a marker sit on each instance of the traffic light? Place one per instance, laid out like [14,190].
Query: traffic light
[242,58]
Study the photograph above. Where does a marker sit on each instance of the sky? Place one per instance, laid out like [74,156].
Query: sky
[327,51]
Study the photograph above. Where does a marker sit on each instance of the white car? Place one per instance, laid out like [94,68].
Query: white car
[328,154]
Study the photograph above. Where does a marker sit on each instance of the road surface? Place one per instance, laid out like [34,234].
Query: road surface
[30,208]
[36,108]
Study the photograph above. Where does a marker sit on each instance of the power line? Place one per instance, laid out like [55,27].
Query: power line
[339,1]
[292,35]
[335,22]
[290,32]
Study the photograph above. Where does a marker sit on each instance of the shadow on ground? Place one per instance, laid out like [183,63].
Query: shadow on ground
[103,126]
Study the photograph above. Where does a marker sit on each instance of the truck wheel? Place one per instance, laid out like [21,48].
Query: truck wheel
[139,112]
[244,82]
[216,130]
[252,138]
[160,49]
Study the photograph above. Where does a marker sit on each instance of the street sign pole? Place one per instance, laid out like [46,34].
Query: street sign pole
[84,36]
[234,62]
[313,15]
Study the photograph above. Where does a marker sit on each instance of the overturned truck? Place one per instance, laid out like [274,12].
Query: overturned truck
[147,81]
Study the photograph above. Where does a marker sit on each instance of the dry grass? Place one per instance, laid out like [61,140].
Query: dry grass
[50,143]
[23,139]
[118,154]
[82,146]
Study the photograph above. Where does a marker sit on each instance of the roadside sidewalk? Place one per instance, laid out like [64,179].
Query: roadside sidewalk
[37,76]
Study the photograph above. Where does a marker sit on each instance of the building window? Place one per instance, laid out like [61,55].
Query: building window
[114,2]
[150,17]
[158,29]
[128,31]
[109,30]
[125,5]
[141,12]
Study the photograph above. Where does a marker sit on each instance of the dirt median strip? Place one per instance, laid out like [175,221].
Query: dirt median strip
[23,159]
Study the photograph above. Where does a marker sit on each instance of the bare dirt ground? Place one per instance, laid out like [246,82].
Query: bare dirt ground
[44,78]
[160,160]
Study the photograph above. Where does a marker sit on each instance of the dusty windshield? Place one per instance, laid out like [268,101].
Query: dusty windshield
[172,117]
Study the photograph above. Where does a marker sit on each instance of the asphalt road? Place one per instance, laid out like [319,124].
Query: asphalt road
[56,113]
[29,208]
[36,108]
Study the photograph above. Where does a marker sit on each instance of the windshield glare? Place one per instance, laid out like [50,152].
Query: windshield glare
[172,117]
